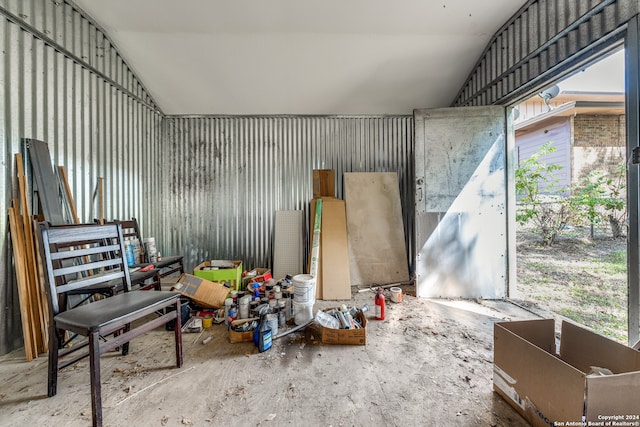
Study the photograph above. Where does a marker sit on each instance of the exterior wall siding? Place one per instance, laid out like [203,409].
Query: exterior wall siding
[558,132]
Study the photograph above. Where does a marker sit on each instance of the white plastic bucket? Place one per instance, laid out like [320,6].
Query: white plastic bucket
[304,288]
[396,294]
[302,312]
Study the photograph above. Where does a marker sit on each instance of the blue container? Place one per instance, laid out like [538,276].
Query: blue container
[129,253]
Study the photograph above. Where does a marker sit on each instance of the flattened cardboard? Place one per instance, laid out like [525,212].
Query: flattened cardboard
[202,291]
[548,388]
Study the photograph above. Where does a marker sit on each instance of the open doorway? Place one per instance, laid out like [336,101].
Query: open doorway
[571,199]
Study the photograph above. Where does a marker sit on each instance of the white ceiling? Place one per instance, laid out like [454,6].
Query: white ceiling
[300,56]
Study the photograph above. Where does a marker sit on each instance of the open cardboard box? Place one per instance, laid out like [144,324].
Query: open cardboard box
[345,336]
[236,337]
[551,389]
[204,293]
[221,271]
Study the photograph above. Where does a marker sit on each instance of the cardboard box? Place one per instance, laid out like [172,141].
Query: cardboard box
[222,273]
[345,336]
[256,275]
[551,389]
[323,183]
[201,291]
[236,337]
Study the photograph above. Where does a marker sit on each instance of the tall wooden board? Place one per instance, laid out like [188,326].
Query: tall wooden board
[377,251]
[336,284]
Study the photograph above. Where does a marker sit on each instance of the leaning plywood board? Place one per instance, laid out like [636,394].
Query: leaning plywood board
[287,245]
[377,251]
[334,251]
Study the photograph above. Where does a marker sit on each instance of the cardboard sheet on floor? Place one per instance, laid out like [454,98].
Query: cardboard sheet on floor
[288,248]
[377,251]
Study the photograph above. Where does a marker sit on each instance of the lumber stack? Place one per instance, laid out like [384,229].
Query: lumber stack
[33,306]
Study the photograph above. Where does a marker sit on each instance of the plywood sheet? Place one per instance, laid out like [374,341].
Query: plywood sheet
[334,251]
[377,251]
[287,245]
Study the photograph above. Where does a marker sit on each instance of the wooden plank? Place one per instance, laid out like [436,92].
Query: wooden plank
[97,193]
[38,318]
[21,276]
[323,183]
[334,251]
[67,190]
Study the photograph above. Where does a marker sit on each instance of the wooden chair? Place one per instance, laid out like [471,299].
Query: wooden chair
[167,265]
[85,255]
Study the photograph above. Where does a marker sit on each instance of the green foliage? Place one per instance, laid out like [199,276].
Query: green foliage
[548,213]
[600,198]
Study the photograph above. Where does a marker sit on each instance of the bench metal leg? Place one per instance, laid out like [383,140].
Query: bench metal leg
[54,347]
[178,334]
[94,368]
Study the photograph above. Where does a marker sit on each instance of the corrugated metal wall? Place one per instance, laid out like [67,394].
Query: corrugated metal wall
[227,175]
[63,82]
[543,41]
[205,187]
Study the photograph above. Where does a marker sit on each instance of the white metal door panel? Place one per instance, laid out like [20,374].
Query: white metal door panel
[461,202]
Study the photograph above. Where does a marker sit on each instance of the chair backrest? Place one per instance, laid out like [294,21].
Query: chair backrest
[131,229]
[77,256]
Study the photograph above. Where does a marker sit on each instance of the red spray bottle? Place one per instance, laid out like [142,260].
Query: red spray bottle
[379,304]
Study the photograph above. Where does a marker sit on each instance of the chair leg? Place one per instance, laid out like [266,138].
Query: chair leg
[94,367]
[178,334]
[54,348]
[125,346]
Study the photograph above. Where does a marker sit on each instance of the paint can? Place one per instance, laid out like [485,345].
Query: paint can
[396,294]
[149,244]
[272,320]
[207,321]
[304,288]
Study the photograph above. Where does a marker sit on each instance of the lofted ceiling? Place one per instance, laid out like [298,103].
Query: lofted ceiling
[299,56]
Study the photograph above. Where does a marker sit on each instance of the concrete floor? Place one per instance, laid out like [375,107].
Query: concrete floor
[429,363]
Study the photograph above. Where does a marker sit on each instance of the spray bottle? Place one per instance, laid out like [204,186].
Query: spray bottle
[264,335]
